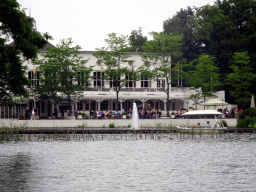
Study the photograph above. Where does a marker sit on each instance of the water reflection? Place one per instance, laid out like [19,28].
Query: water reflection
[130,163]
[15,171]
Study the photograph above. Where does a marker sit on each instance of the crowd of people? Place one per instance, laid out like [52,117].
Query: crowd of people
[151,113]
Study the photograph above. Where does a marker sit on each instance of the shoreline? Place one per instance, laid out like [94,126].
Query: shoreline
[102,126]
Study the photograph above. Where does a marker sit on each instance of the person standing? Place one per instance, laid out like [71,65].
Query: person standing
[208,125]
[33,114]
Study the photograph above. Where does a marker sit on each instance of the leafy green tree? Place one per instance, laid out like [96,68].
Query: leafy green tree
[137,40]
[242,79]
[17,27]
[205,75]
[115,60]
[158,55]
[62,71]
[183,23]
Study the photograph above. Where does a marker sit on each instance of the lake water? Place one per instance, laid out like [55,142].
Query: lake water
[129,163]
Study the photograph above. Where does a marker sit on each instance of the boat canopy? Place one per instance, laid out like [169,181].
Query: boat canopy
[202,112]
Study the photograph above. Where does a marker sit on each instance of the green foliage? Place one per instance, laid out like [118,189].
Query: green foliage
[182,23]
[225,124]
[62,71]
[247,113]
[111,125]
[246,118]
[112,58]
[205,75]
[137,40]
[242,78]
[158,59]
[17,27]
[246,122]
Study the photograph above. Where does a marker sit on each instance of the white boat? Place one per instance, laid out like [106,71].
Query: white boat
[200,126]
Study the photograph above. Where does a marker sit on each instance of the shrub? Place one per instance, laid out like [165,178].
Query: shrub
[225,124]
[246,122]
[247,113]
[129,125]
[111,125]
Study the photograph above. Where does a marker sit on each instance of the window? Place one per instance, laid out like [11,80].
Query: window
[160,83]
[130,63]
[34,77]
[98,79]
[80,106]
[104,105]
[145,82]
[130,81]
[115,81]
[81,80]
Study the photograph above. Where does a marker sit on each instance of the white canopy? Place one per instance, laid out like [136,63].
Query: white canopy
[215,102]
[202,112]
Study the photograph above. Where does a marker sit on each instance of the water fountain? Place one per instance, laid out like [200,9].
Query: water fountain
[135,117]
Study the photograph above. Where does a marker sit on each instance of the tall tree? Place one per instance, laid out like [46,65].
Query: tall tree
[182,23]
[137,40]
[62,71]
[115,60]
[242,78]
[16,26]
[204,77]
[158,57]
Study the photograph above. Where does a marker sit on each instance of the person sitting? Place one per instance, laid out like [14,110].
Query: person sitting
[208,125]
[217,125]
[196,126]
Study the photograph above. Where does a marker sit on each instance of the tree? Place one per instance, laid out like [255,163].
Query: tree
[62,71]
[16,26]
[204,75]
[183,23]
[115,60]
[242,79]
[158,57]
[137,40]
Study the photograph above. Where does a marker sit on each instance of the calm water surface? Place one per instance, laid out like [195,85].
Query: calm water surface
[112,163]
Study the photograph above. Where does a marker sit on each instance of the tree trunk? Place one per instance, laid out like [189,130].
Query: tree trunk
[69,105]
[168,103]
[117,102]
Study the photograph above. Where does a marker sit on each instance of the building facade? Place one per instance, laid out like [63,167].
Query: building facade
[146,93]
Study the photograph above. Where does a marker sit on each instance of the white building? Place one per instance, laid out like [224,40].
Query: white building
[146,92]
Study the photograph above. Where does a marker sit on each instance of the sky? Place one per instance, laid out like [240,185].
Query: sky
[88,22]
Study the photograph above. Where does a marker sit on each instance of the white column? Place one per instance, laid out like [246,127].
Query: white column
[98,105]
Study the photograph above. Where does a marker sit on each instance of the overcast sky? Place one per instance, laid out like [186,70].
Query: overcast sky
[88,22]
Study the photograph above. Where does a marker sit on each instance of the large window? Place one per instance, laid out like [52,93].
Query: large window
[145,82]
[98,79]
[130,81]
[34,77]
[80,106]
[114,82]
[160,83]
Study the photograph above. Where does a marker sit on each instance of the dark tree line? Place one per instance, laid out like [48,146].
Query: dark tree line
[219,30]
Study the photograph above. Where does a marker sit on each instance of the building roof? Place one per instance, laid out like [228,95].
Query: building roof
[48,45]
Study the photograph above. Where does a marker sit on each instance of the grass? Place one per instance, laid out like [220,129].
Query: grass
[111,125]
